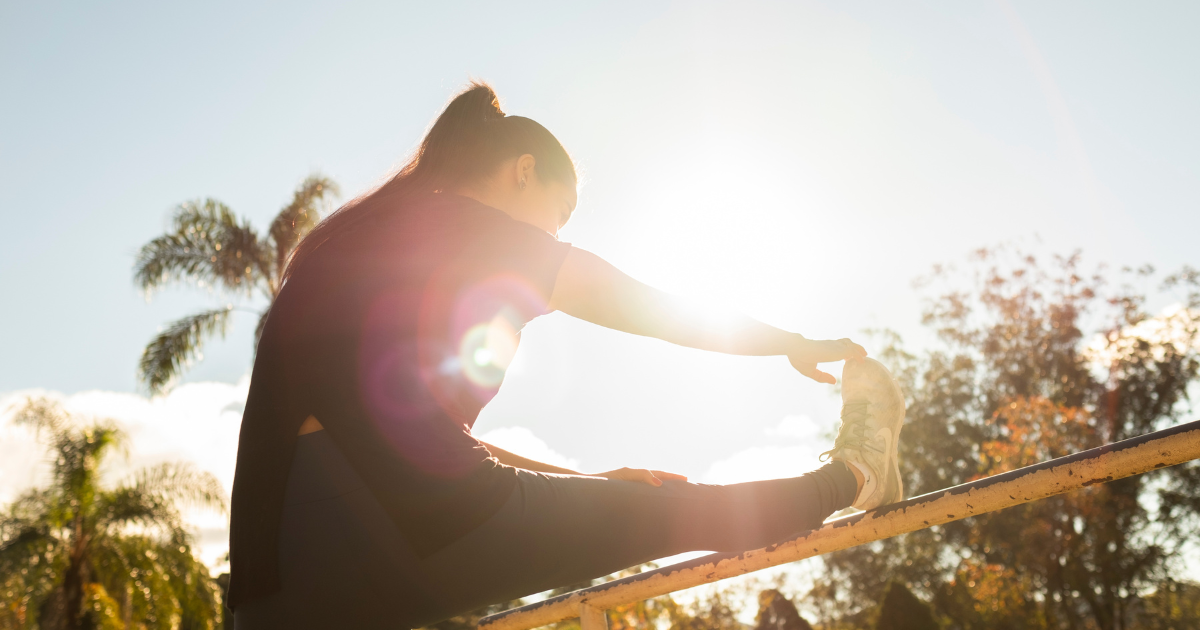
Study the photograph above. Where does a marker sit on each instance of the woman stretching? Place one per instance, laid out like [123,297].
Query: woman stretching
[361,499]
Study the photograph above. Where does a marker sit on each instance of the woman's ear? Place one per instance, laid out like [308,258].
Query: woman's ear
[526,170]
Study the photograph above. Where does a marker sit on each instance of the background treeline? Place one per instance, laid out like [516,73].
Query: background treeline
[1039,359]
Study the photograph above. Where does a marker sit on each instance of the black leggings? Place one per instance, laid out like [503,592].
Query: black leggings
[344,564]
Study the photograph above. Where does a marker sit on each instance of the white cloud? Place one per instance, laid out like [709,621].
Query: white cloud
[763,462]
[798,443]
[796,426]
[523,442]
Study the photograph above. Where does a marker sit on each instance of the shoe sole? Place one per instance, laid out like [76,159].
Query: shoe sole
[895,483]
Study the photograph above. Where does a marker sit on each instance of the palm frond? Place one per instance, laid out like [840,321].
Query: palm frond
[131,565]
[31,508]
[77,450]
[77,461]
[198,593]
[171,350]
[206,243]
[151,499]
[23,545]
[32,560]
[26,530]
[129,506]
[43,415]
[301,215]
[167,586]
[181,483]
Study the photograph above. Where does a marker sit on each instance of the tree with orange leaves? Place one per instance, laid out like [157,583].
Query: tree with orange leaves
[1038,359]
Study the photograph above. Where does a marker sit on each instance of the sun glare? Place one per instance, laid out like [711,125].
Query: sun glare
[758,233]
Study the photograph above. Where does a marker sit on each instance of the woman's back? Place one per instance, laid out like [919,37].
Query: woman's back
[393,334]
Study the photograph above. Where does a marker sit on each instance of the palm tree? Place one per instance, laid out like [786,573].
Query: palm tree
[81,554]
[208,245]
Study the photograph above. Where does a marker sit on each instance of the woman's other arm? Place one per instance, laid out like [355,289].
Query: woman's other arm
[516,461]
[642,475]
[591,289]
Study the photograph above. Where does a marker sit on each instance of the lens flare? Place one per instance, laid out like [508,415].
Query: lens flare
[430,360]
[469,336]
[486,319]
[486,350]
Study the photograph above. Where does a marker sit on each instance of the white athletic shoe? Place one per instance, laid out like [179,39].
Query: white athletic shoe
[872,416]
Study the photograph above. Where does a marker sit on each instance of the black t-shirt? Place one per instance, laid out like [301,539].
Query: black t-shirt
[394,334]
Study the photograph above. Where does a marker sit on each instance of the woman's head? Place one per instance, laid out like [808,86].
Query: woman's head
[474,149]
[508,162]
[472,137]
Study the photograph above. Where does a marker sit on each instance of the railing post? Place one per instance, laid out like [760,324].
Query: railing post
[592,618]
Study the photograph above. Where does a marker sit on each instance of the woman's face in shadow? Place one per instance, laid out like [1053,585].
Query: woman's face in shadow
[546,204]
[519,192]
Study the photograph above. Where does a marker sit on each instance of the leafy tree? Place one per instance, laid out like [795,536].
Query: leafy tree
[208,245]
[901,610]
[776,612]
[80,554]
[717,611]
[1039,359]
[1172,606]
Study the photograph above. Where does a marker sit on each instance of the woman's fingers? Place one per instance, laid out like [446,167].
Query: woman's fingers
[662,474]
[641,475]
[810,370]
[840,350]
[854,350]
[646,476]
[807,357]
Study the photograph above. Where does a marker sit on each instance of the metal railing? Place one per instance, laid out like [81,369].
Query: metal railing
[1130,457]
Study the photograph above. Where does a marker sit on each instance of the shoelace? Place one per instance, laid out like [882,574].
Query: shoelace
[852,433]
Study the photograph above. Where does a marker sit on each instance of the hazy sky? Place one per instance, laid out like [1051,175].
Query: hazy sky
[803,161]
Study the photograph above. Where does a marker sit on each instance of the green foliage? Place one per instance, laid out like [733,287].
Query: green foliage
[298,217]
[717,611]
[1172,606]
[901,610]
[208,245]
[776,612]
[469,620]
[81,554]
[1038,360]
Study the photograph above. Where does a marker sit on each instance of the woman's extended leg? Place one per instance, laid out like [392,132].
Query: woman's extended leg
[558,530]
[344,564]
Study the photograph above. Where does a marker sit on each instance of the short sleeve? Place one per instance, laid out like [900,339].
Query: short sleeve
[534,256]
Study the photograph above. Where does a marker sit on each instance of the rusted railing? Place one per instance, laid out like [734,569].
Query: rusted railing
[1099,465]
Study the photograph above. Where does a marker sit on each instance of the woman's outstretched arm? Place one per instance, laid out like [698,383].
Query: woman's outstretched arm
[590,288]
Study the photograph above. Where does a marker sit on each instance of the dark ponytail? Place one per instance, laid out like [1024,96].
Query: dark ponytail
[466,143]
